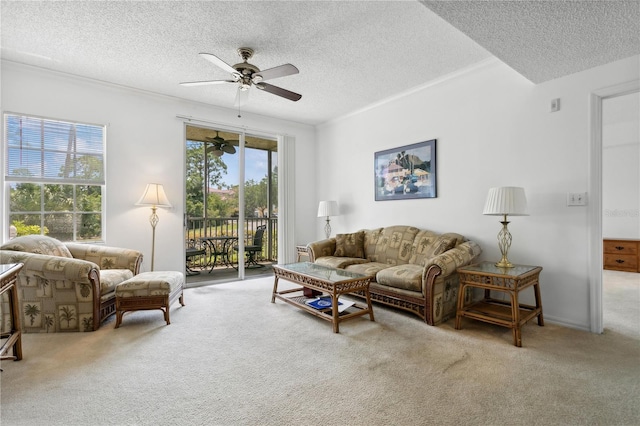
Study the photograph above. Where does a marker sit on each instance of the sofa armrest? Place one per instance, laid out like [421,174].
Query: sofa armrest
[107,257]
[449,261]
[321,248]
[53,267]
[63,293]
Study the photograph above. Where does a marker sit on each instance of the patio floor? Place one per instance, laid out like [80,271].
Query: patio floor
[221,274]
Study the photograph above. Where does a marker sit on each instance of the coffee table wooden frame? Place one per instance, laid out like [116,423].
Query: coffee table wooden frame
[356,282]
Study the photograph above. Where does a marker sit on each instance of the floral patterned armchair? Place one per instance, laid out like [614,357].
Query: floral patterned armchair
[66,286]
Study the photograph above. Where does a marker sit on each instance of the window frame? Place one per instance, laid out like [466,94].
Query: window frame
[96,149]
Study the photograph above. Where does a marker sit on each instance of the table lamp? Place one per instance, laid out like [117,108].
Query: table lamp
[504,201]
[326,209]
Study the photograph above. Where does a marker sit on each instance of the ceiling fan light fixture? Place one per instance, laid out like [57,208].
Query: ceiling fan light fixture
[246,74]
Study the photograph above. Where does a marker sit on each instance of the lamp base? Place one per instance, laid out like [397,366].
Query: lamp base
[504,263]
[504,242]
[327,228]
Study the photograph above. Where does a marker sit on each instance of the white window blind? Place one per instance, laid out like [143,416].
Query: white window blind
[45,150]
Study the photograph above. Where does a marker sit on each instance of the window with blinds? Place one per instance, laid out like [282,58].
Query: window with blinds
[55,176]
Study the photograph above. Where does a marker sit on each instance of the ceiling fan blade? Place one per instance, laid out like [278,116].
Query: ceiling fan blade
[206,82]
[276,72]
[219,62]
[292,96]
[229,149]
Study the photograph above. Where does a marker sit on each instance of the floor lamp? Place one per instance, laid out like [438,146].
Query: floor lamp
[155,197]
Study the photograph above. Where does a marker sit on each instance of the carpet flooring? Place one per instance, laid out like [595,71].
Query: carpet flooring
[230,357]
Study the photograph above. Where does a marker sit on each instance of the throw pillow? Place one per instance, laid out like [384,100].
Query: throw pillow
[444,243]
[38,244]
[429,245]
[350,245]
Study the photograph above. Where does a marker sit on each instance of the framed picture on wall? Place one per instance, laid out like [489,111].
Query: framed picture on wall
[406,172]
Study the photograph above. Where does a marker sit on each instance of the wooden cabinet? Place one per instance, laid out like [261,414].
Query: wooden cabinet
[622,255]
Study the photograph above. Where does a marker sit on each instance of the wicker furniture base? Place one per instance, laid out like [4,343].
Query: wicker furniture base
[323,279]
[149,290]
[11,337]
[510,281]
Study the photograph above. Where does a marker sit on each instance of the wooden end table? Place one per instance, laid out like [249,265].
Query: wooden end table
[13,337]
[512,281]
[323,279]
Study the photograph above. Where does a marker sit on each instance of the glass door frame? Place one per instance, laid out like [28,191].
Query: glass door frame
[242,133]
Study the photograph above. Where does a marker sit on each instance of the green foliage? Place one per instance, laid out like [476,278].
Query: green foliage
[61,206]
[195,182]
[28,229]
[25,197]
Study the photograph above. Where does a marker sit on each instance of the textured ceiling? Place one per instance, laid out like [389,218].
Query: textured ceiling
[543,40]
[350,54]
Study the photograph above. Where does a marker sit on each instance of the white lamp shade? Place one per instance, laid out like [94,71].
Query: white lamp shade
[509,200]
[328,208]
[154,196]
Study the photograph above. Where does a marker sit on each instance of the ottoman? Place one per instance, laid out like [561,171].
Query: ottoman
[149,290]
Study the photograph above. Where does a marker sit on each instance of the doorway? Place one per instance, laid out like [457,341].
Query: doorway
[231,204]
[595,198]
[621,208]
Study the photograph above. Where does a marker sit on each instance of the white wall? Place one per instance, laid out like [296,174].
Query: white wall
[493,128]
[145,143]
[621,167]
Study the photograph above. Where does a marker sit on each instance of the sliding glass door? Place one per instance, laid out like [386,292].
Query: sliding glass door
[231,228]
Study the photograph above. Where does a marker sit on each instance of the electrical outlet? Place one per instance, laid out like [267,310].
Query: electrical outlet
[576,199]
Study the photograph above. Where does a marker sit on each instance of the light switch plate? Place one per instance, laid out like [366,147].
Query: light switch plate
[576,199]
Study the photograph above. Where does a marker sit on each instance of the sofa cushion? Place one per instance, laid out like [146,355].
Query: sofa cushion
[154,283]
[370,268]
[395,245]
[38,244]
[339,262]
[350,245]
[428,245]
[110,278]
[408,277]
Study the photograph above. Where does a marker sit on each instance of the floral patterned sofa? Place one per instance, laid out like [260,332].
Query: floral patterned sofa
[414,269]
[66,286]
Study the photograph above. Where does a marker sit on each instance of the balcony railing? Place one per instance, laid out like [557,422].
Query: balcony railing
[199,227]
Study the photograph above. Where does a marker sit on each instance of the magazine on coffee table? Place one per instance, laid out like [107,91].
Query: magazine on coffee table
[325,303]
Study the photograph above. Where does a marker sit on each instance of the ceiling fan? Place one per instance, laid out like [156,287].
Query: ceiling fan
[220,146]
[246,74]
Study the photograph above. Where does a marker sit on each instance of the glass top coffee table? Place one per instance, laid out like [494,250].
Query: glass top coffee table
[330,281]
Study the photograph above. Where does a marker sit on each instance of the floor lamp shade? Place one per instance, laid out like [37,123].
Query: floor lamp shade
[327,209]
[504,201]
[155,197]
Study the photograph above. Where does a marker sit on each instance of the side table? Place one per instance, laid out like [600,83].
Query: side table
[512,281]
[12,337]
